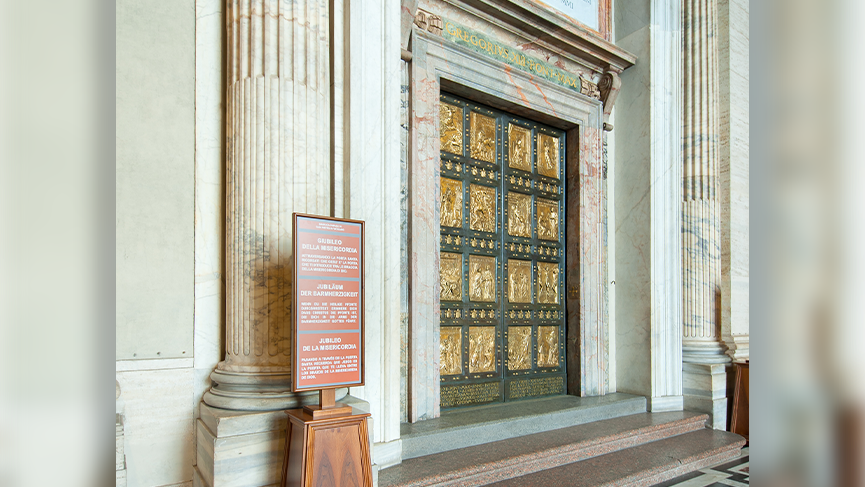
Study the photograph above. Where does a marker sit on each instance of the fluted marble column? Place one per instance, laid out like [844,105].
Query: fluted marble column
[278,161]
[701,229]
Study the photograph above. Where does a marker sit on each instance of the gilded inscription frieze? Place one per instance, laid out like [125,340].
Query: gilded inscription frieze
[451,128]
[519,215]
[482,349]
[548,219]
[483,208]
[451,347]
[548,346]
[519,281]
[451,277]
[548,283]
[519,347]
[519,148]
[548,156]
[483,137]
[482,278]
[452,203]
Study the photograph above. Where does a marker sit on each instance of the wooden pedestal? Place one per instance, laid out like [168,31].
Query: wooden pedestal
[325,452]
[739,423]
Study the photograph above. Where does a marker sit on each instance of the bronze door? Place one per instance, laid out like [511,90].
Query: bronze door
[502,256]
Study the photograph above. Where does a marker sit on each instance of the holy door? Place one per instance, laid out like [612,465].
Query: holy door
[502,332]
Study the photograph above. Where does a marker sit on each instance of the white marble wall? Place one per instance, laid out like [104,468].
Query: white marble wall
[373,187]
[158,215]
[157,420]
[648,195]
[733,41]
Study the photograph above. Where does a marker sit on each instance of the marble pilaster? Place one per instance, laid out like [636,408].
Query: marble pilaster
[648,205]
[701,226]
[702,347]
[278,161]
[373,195]
[733,16]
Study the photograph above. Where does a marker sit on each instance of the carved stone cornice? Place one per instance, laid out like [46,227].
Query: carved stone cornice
[552,31]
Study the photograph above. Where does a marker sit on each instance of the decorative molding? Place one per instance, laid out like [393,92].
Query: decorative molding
[609,85]
[551,31]
[429,22]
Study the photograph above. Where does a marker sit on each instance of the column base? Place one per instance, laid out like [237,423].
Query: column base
[258,391]
[704,353]
[705,391]
[738,349]
[243,448]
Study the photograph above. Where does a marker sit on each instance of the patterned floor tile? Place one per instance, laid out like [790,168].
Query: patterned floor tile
[732,473]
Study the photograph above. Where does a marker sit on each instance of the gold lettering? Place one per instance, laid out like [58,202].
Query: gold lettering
[448,29]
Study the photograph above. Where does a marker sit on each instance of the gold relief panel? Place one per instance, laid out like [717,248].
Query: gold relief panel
[548,156]
[451,203]
[519,347]
[482,208]
[483,137]
[451,276]
[519,281]
[519,148]
[482,278]
[519,215]
[548,219]
[482,349]
[548,346]
[451,345]
[451,128]
[548,283]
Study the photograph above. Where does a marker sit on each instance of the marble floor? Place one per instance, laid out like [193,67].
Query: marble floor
[731,473]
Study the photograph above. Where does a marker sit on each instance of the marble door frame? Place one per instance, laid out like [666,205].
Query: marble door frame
[437,64]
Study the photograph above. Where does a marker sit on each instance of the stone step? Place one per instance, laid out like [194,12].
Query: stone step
[642,465]
[484,424]
[517,457]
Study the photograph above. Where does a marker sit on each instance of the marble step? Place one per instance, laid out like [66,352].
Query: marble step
[538,452]
[478,425]
[643,465]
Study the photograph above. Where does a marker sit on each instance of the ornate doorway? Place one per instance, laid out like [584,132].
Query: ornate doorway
[502,322]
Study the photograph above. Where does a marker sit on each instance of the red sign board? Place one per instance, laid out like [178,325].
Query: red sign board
[327,303]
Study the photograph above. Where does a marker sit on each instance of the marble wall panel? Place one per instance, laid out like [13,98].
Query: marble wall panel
[633,222]
[648,206]
[158,421]
[403,238]
[423,370]
[155,184]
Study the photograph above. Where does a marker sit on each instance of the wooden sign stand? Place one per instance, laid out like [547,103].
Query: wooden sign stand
[326,445]
[327,406]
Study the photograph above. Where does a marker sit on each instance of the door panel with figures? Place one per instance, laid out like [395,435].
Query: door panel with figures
[501,261]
